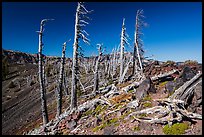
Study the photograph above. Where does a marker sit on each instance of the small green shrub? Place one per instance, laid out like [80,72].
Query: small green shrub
[131,91]
[147,98]
[110,82]
[112,121]
[136,128]
[143,115]
[79,93]
[116,124]
[169,62]
[175,129]
[96,129]
[147,104]
[103,125]
[88,112]
[163,83]
[106,123]
[190,62]
[98,110]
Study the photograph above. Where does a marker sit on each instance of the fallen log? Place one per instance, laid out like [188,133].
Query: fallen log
[163,75]
[89,104]
[133,85]
[51,126]
[102,90]
[112,92]
[171,111]
[187,88]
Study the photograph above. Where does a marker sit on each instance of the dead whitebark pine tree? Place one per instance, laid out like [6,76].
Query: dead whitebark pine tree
[114,62]
[123,41]
[81,12]
[125,70]
[40,73]
[96,77]
[138,51]
[61,77]
[65,84]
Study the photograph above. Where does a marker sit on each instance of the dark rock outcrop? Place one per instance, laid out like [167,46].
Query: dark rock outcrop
[145,88]
[187,74]
[196,100]
[170,87]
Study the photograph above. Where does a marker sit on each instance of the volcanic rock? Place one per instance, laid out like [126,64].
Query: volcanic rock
[144,88]
[187,74]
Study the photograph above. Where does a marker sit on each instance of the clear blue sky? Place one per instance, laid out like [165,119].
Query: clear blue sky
[174,31]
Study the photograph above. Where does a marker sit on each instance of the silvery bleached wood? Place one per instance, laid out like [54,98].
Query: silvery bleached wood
[163,75]
[114,62]
[122,48]
[59,93]
[111,63]
[44,77]
[125,71]
[137,41]
[96,79]
[79,33]
[65,85]
[109,67]
[186,89]
[28,79]
[40,73]
[123,41]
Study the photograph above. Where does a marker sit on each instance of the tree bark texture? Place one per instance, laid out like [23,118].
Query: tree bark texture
[59,94]
[41,79]
[96,78]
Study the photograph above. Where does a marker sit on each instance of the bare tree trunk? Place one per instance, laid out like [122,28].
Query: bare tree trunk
[125,71]
[134,61]
[59,93]
[138,55]
[122,49]
[75,65]
[136,39]
[66,85]
[138,26]
[114,62]
[44,77]
[96,79]
[123,41]
[75,62]
[79,33]
[40,73]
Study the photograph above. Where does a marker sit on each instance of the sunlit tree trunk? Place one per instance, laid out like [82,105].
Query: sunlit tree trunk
[122,48]
[79,33]
[40,73]
[137,41]
[123,41]
[59,94]
[96,77]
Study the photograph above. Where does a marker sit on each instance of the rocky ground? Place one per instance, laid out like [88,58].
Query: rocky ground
[21,112]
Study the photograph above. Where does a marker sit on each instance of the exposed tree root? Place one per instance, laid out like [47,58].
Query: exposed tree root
[186,89]
[172,109]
